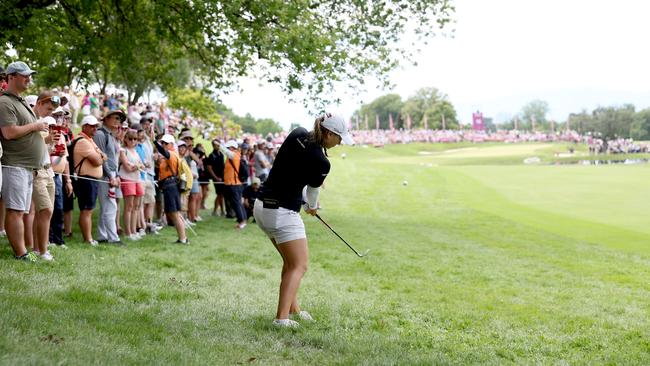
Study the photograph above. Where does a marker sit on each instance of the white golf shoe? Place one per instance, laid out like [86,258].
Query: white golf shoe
[303,315]
[285,323]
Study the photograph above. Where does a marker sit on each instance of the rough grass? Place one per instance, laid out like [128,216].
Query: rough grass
[469,264]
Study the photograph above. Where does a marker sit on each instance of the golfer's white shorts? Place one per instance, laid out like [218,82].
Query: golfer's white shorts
[280,224]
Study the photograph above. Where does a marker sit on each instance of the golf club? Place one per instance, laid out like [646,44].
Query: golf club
[346,243]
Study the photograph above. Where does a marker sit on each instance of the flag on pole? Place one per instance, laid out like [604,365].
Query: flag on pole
[376,121]
[408,121]
[366,122]
[390,121]
[424,122]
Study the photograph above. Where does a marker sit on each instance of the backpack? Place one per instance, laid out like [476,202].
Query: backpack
[242,172]
[74,169]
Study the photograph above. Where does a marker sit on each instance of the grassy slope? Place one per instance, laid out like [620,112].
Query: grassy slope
[450,279]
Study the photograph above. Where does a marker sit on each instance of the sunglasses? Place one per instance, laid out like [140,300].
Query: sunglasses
[54,99]
[132,139]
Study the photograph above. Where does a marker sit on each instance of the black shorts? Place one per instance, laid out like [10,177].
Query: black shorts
[219,188]
[171,196]
[86,192]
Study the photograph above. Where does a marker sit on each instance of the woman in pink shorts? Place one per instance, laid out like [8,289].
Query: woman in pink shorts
[132,187]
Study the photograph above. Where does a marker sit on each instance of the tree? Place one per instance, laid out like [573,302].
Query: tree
[534,113]
[614,122]
[640,129]
[434,104]
[304,46]
[382,107]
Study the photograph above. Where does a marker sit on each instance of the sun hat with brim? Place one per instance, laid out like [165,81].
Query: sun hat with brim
[59,110]
[167,138]
[186,134]
[89,120]
[115,111]
[337,125]
[230,143]
[19,67]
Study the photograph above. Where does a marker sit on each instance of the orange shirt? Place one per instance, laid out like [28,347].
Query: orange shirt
[168,168]
[83,149]
[230,177]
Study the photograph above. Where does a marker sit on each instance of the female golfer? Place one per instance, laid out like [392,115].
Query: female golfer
[301,161]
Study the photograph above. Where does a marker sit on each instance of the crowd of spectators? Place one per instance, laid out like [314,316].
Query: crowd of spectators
[138,163]
[616,146]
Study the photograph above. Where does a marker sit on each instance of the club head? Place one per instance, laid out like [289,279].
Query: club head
[363,254]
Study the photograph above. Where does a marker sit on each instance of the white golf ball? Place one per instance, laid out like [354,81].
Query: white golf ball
[405,183]
[343,155]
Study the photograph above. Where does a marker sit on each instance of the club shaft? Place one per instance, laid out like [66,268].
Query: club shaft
[337,234]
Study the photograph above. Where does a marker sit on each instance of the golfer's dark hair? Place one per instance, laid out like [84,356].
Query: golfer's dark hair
[317,135]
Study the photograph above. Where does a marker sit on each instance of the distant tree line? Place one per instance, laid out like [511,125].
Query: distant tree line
[427,105]
[434,106]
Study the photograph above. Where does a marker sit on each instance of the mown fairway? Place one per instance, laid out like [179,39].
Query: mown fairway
[478,260]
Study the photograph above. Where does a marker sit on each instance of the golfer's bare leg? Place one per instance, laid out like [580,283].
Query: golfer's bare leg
[295,308]
[296,257]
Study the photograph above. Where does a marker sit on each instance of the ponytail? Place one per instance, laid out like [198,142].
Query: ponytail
[317,135]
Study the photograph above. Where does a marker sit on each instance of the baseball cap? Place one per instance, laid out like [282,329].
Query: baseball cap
[59,110]
[89,120]
[256,180]
[337,125]
[168,139]
[230,143]
[31,100]
[181,143]
[19,67]
[50,120]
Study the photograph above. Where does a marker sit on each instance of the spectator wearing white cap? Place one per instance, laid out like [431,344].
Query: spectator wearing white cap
[168,171]
[23,152]
[88,161]
[231,180]
[301,162]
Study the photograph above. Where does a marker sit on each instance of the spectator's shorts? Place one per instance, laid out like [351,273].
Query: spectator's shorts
[43,192]
[17,186]
[132,188]
[171,196]
[86,192]
[149,193]
[195,187]
[220,188]
[279,224]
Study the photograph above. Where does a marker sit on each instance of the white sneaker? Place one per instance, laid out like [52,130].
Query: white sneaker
[133,237]
[199,218]
[285,323]
[142,233]
[303,315]
[3,233]
[47,256]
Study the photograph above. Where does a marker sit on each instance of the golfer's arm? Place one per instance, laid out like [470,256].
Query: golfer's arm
[311,196]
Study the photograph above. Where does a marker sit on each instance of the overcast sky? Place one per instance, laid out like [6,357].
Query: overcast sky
[574,54]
